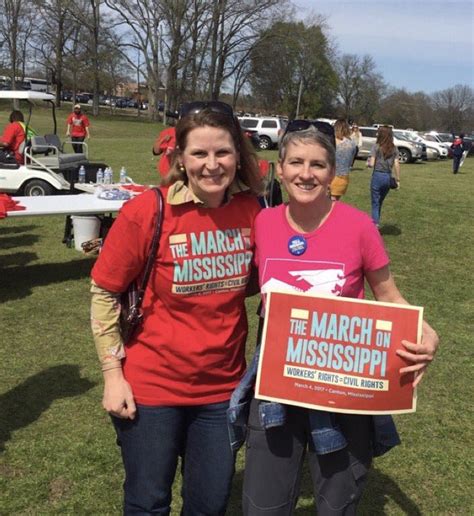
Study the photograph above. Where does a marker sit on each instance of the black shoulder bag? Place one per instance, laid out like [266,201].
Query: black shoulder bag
[131,300]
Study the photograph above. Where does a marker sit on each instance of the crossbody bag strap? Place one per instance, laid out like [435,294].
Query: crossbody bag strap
[153,248]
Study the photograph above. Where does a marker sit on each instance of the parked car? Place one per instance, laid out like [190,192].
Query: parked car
[110,101]
[432,154]
[445,137]
[408,151]
[66,95]
[122,102]
[405,137]
[83,98]
[269,129]
[431,143]
[132,103]
[446,141]
[469,144]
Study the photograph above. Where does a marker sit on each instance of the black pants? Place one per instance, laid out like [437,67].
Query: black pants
[456,163]
[78,148]
[7,157]
[274,460]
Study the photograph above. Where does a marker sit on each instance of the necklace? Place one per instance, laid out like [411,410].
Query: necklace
[309,226]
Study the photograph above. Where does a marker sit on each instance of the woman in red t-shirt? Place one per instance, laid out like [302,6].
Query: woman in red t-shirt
[14,135]
[168,388]
[78,128]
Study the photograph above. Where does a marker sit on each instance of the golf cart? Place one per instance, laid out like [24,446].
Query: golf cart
[47,168]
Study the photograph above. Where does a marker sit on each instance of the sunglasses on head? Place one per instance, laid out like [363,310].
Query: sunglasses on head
[301,125]
[192,108]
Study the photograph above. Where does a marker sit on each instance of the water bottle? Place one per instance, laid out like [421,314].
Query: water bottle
[82,174]
[100,177]
[107,178]
[111,173]
[123,175]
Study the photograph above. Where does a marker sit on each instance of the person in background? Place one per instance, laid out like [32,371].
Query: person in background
[345,150]
[168,389]
[458,148]
[356,137]
[384,160]
[339,447]
[14,136]
[77,127]
[165,145]
[272,195]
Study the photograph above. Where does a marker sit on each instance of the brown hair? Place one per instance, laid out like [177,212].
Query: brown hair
[247,169]
[16,116]
[342,129]
[385,141]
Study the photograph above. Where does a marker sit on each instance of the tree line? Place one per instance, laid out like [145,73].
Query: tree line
[254,54]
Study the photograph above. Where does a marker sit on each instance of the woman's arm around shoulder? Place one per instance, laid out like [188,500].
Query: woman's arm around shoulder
[420,355]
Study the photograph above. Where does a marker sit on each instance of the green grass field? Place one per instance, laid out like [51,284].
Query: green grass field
[57,449]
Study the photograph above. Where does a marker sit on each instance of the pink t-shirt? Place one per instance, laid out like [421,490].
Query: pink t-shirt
[337,254]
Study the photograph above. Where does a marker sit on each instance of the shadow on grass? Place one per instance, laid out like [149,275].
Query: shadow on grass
[18,241]
[25,403]
[16,229]
[390,229]
[379,491]
[18,259]
[19,281]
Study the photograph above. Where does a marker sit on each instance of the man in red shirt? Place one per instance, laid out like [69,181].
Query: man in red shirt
[77,128]
[165,144]
[14,135]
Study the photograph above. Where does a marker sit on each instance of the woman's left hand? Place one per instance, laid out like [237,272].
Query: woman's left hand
[420,355]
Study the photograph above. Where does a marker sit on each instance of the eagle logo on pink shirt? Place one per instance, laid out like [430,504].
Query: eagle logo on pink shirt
[303,276]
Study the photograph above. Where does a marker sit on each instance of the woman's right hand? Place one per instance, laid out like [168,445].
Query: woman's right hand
[118,396]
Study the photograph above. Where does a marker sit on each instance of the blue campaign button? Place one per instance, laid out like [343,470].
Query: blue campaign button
[297,245]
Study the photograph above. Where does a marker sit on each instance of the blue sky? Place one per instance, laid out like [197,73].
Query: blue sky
[419,45]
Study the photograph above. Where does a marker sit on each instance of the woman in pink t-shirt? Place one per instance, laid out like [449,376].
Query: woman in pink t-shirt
[316,245]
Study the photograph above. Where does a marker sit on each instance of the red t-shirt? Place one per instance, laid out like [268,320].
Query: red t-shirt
[14,135]
[190,349]
[166,142]
[78,124]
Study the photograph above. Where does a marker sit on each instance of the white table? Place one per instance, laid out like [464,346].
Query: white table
[83,204]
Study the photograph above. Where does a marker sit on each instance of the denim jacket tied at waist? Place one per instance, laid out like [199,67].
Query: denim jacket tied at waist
[326,434]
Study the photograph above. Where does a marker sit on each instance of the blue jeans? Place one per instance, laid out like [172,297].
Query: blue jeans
[379,188]
[151,445]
